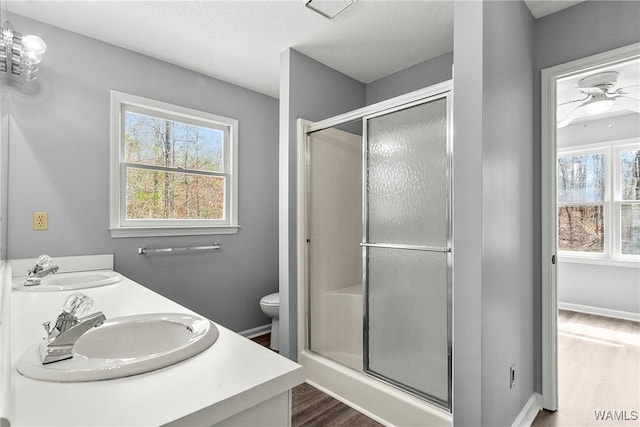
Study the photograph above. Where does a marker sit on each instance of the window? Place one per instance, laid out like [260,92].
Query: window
[173,169]
[599,201]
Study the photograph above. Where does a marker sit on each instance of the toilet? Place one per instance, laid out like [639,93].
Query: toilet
[270,306]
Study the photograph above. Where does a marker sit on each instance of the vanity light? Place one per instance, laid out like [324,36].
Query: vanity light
[599,104]
[20,55]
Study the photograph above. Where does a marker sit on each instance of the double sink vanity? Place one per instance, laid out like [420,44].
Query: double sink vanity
[114,353]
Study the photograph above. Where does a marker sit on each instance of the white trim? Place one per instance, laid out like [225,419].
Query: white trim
[549,210]
[302,233]
[119,232]
[598,261]
[529,411]
[256,332]
[599,311]
[119,225]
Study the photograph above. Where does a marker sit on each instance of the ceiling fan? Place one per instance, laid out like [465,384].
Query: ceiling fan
[600,97]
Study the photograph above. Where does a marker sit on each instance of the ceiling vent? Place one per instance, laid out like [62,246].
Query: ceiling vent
[329,8]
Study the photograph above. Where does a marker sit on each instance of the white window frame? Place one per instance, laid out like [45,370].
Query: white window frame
[612,203]
[119,225]
[617,202]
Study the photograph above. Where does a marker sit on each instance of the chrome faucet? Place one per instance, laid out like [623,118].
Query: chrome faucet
[42,268]
[58,342]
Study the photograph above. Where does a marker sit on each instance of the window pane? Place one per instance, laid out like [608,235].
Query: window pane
[630,229]
[630,174]
[581,178]
[581,228]
[160,142]
[168,195]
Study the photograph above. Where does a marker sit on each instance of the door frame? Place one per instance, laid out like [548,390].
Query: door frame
[549,208]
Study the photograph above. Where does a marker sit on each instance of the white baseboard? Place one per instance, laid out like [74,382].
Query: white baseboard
[256,332]
[529,411]
[599,311]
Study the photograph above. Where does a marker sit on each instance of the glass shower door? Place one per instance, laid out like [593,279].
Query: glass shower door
[406,250]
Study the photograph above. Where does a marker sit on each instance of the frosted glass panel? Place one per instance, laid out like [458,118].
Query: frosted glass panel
[407,311]
[407,183]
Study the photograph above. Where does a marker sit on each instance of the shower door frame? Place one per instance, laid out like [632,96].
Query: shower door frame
[305,128]
[447,250]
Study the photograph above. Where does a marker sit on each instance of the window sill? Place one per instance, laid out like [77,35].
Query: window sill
[599,261]
[120,232]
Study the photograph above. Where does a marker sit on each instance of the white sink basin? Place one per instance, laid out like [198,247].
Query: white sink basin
[125,346]
[70,281]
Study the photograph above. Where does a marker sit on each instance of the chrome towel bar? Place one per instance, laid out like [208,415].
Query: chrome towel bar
[145,251]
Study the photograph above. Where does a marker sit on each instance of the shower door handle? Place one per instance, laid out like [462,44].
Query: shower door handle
[406,247]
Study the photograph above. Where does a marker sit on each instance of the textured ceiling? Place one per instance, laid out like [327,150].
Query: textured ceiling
[240,41]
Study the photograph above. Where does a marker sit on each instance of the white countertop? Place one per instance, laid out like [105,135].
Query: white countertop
[229,377]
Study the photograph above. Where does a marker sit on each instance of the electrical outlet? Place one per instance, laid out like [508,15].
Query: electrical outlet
[40,221]
[512,376]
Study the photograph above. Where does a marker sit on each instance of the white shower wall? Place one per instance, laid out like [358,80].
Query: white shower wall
[335,255]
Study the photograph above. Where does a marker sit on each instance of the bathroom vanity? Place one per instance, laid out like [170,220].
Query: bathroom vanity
[233,382]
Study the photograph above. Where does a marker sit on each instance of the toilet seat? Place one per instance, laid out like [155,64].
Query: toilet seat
[271,299]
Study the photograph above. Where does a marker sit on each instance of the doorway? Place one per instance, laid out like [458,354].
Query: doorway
[610,212]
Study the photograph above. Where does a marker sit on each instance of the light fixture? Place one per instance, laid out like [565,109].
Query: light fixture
[329,8]
[20,55]
[599,104]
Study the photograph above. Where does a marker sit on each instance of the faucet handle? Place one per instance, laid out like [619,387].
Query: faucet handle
[77,304]
[43,262]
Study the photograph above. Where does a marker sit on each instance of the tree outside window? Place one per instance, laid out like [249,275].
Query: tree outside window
[599,201]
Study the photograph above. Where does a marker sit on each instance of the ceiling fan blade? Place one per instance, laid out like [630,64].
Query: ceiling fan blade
[628,103]
[569,117]
[626,87]
[575,100]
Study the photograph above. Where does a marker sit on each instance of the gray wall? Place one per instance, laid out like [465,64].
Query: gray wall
[59,157]
[467,221]
[493,216]
[507,211]
[582,30]
[424,74]
[602,286]
[311,91]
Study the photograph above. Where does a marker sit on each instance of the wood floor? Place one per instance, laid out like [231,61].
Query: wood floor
[313,408]
[598,370]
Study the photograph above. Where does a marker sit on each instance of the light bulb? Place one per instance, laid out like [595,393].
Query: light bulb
[34,45]
[599,104]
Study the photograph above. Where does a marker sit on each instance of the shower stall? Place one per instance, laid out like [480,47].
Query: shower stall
[375,257]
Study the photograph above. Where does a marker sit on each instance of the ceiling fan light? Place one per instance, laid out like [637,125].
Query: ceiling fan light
[598,106]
